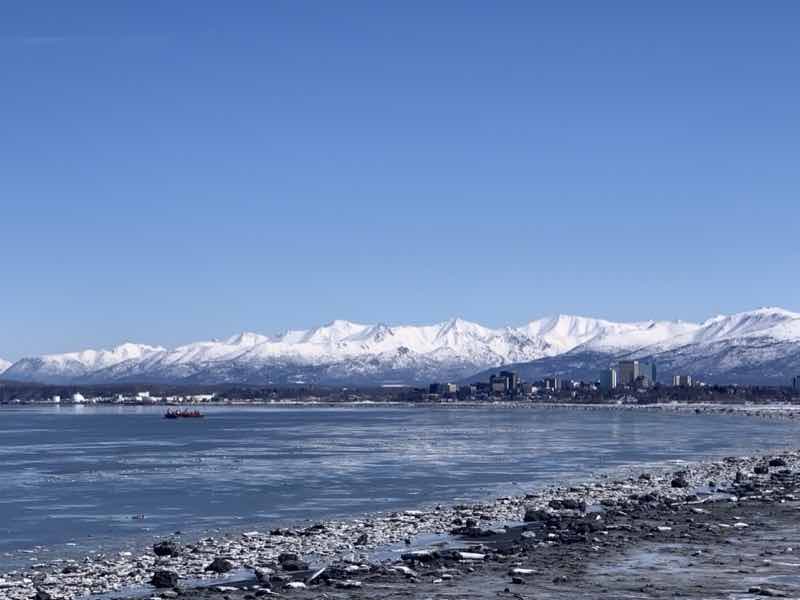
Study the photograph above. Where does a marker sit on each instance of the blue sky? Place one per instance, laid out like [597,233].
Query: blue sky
[185,170]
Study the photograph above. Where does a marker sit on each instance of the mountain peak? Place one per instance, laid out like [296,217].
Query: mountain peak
[132,348]
[246,338]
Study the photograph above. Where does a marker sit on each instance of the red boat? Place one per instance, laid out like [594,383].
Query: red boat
[183,414]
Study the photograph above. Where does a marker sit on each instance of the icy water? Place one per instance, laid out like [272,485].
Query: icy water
[72,479]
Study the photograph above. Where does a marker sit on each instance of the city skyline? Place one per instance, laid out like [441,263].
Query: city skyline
[204,171]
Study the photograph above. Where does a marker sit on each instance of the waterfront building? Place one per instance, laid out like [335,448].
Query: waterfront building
[796,384]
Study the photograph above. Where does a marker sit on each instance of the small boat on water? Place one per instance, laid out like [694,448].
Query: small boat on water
[183,414]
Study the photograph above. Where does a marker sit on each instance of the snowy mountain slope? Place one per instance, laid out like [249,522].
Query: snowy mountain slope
[4,364]
[347,352]
[759,346]
[74,365]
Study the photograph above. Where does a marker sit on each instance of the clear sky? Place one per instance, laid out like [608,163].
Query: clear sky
[175,171]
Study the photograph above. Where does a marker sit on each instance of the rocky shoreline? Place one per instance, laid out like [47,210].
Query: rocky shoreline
[511,541]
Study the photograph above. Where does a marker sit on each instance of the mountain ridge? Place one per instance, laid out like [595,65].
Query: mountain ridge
[347,352]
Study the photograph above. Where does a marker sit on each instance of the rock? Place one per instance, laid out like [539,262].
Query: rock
[571,504]
[761,470]
[296,585]
[294,565]
[535,514]
[679,482]
[220,565]
[407,571]
[166,548]
[164,579]
[517,580]
[777,462]
[287,556]
[263,574]
[42,595]
[362,540]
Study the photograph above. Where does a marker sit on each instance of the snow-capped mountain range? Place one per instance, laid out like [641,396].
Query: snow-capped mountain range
[764,343]
[4,364]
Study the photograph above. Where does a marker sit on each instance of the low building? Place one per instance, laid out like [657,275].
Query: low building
[796,384]
[682,380]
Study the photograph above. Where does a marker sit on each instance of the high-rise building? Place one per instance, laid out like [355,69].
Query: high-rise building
[552,383]
[513,379]
[796,384]
[608,380]
[628,372]
[682,380]
[499,383]
[647,371]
